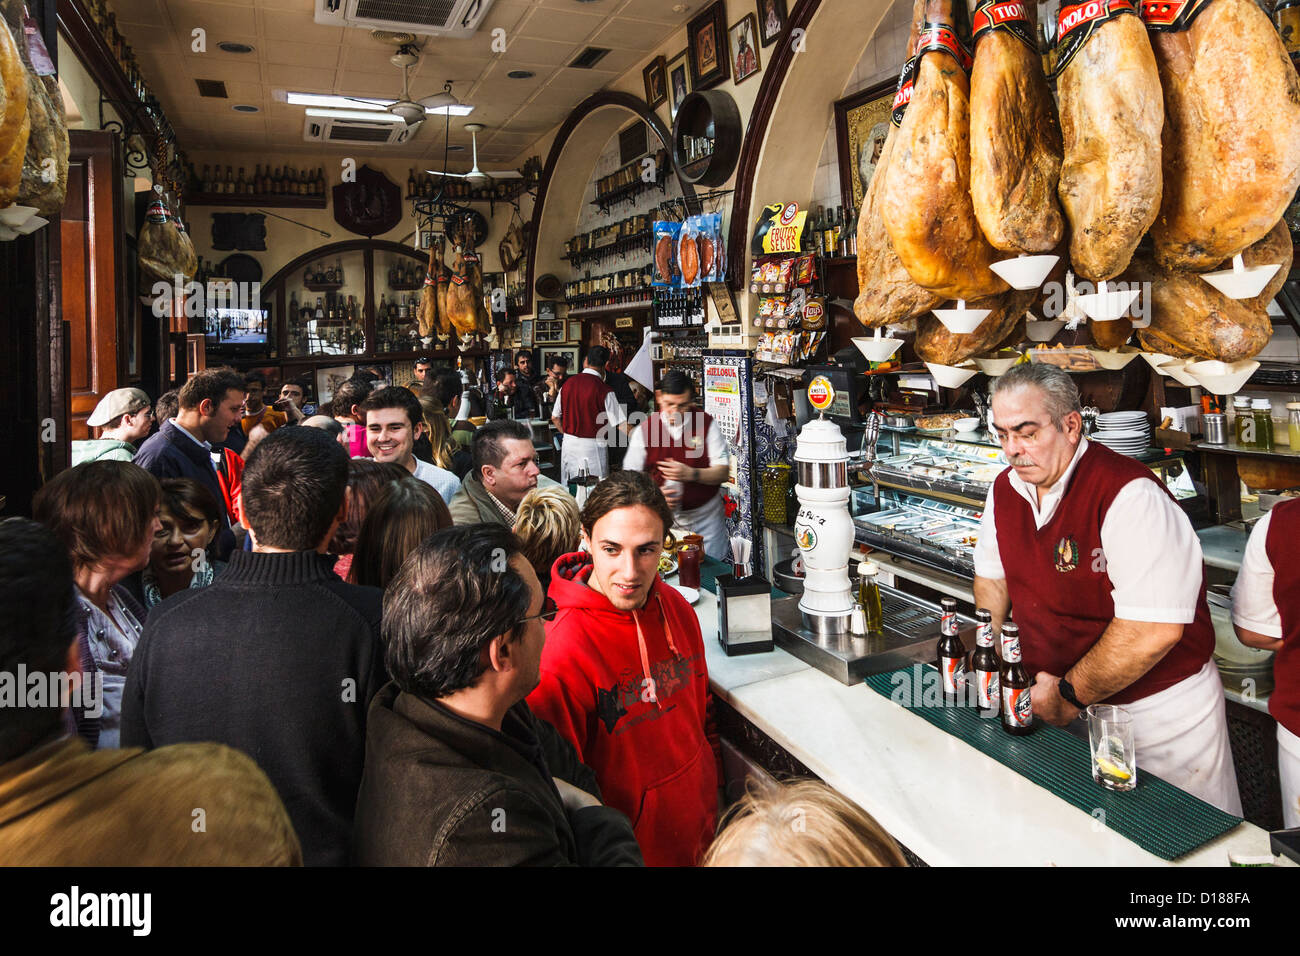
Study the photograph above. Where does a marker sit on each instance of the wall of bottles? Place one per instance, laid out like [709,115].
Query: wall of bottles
[326,307]
[263,181]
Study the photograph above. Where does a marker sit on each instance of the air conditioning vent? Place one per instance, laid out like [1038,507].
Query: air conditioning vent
[589,57]
[212,88]
[355,132]
[445,18]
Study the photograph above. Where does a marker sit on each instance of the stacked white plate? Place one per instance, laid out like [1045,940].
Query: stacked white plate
[1128,433]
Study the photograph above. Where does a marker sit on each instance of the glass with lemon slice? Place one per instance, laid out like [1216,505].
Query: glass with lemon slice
[1110,737]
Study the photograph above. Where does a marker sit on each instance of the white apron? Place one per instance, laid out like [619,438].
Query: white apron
[574,450]
[1181,735]
[709,521]
[1288,766]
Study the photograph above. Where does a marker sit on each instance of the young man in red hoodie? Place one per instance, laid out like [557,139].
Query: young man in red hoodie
[624,678]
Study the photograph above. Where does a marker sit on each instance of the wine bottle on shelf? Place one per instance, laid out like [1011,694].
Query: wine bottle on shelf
[338,270]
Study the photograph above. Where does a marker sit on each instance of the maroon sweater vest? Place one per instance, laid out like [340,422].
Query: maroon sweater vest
[661,446]
[582,402]
[1281,546]
[1060,592]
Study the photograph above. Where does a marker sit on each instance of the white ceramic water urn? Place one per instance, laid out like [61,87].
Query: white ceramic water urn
[824,528]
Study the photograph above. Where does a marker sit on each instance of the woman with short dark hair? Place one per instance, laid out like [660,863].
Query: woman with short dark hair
[402,515]
[106,515]
[180,558]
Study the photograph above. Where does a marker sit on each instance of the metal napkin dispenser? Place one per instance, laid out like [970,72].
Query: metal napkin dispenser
[744,614]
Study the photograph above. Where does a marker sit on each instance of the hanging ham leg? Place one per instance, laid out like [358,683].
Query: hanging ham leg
[1111,116]
[886,293]
[428,312]
[927,203]
[1231,137]
[1015,140]
[462,310]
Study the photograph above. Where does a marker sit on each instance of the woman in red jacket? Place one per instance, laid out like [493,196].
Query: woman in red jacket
[624,677]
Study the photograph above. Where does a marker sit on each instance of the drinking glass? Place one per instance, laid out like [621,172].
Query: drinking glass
[1110,737]
[688,561]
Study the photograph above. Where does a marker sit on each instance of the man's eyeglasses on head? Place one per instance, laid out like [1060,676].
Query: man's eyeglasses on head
[549,610]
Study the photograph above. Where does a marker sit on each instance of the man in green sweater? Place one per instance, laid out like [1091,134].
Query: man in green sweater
[124,416]
[504,471]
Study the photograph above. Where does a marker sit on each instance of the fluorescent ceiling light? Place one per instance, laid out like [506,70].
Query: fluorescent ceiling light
[367,115]
[370,103]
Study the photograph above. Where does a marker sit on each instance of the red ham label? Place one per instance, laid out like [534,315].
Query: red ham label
[903,93]
[1076,22]
[941,36]
[1008,15]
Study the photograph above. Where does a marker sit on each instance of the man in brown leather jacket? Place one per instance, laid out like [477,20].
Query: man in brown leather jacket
[62,804]
[458,770]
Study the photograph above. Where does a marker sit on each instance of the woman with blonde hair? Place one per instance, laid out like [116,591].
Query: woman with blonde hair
[804,823]
[548,524]
[444,451]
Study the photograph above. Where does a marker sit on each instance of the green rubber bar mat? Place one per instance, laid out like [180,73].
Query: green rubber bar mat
[1156,815]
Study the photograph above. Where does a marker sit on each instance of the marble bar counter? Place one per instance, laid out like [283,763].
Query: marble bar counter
[945,801]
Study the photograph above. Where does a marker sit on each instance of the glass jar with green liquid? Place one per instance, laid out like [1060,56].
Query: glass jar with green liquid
[869,597]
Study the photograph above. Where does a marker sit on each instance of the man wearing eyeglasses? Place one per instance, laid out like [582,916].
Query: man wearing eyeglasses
[459,771]
[1103,574]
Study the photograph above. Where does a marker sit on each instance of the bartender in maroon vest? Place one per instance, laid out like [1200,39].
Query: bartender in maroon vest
[682,449]
[587,414]
[1266,614]
[1102,572]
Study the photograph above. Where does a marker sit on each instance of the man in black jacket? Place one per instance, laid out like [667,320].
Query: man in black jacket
[458,770]
[277,657]
[211,403]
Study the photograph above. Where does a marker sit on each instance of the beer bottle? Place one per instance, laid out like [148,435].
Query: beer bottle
[952,653]
[1017,707]
[984,664]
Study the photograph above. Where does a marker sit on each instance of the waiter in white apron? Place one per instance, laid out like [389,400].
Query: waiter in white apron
[587,414]
[683,450]
[1102,572]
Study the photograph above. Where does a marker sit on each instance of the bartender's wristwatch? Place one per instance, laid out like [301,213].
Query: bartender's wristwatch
[1066,690]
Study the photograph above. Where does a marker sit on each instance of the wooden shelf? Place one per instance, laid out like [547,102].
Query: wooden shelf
[638,306]
[254,199]
[1279,452]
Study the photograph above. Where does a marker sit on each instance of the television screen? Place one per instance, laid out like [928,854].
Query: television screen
[235,327]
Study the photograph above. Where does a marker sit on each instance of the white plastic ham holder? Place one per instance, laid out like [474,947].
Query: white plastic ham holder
[1105,305]
[1158,359]
[1114,359]
[951,376]
[992,366]
[1042,330]
[877,348]
[1177,370]
[1221,378]
[1024,272]
[15,216]
[1241,281]
[961,320]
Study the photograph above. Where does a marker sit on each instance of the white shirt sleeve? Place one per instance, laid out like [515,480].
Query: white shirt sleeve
[1151,555]
[634,457]
[988,562]
[555,409]
[615,414]
[1253,607]
[716,446]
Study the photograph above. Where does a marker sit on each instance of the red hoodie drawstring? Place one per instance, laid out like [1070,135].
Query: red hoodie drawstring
[645,657]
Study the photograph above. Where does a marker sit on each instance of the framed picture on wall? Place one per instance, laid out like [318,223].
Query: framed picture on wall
[526,333]
[655,76]
[679,81]
[772,20]
[569,353]
[575,331]
[743,44]
[706,49]
[861,125]
[328,379]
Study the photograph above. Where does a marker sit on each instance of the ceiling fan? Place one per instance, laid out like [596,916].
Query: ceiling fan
[477,176]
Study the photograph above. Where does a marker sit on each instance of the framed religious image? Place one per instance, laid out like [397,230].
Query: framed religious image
[328,379]
[771,20]
[679,81]
[567,352]
[526,333]
[861,125]
[742,42]
[706,50]
[655,76]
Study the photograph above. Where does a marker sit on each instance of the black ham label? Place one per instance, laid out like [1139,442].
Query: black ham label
[1077,22]
[903,93]
[1171,16]
[1008,15]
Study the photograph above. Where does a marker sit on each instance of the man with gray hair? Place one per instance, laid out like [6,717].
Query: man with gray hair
[1104,574]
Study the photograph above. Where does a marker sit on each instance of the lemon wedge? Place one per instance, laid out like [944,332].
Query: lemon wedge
[1113,770]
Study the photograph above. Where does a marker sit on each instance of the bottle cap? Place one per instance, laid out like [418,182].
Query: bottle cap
[1261,403]
[867,567]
